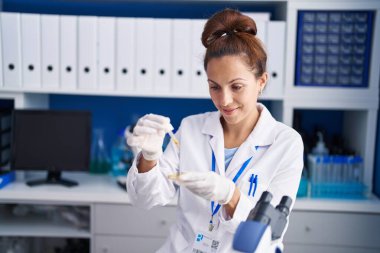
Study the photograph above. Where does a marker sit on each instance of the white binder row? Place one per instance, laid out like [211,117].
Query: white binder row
[121,56]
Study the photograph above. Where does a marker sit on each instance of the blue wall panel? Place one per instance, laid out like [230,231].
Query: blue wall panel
[115,113]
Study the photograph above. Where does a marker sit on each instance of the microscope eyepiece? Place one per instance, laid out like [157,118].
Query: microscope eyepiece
[284,205]
[265,197]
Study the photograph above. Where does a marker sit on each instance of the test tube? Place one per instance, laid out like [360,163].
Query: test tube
[358,169]
[350,176]
[326,169]
[345,169]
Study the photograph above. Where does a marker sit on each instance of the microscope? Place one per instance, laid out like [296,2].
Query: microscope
[263,225]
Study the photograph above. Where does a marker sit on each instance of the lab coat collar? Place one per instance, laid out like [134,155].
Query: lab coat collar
[213,127]
[262,135]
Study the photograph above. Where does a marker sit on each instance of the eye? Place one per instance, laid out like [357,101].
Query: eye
[213,87]
[236,87]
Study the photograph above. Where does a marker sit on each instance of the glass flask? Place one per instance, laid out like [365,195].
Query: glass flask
[100,161]
[122,156]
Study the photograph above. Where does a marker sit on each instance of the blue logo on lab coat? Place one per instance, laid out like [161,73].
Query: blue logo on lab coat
[199,237]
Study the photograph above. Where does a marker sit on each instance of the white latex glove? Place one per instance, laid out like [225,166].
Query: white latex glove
[208,185]
[128,134]
[148,135]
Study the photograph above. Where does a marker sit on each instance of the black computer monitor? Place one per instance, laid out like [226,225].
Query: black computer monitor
[51,140]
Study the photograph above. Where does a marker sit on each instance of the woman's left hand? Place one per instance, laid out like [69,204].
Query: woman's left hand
[208,185]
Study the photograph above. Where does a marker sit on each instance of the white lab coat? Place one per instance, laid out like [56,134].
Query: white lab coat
[277,160]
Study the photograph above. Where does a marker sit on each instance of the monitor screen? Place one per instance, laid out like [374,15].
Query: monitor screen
[50,140]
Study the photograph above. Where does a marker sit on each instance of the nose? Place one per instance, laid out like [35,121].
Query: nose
[226,98]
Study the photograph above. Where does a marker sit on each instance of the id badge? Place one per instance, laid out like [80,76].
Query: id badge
[205,242]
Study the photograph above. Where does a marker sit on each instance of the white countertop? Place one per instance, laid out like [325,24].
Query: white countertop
[371,205]
[91,189]
[104,189]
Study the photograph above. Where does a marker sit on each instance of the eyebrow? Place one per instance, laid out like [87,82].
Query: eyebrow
[234,80]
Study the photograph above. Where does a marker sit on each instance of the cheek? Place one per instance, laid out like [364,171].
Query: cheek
[214,96]
[246,98]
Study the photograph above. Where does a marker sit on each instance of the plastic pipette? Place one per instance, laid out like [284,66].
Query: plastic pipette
[175,140]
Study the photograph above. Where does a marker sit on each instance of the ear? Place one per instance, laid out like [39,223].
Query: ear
[262,80]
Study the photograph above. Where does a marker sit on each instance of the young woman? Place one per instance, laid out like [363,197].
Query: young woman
[224,159]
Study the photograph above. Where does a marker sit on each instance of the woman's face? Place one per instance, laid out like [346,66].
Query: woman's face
[234,89]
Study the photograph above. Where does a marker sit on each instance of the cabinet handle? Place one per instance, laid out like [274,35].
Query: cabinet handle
[307,229]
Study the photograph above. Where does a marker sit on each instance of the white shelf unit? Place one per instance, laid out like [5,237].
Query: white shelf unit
[37,225]
[360,105]
[359,127]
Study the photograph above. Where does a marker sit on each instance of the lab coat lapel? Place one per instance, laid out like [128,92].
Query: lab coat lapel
[262,135]
[213,127]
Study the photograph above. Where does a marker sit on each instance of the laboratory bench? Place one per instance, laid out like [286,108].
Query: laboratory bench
[114,225]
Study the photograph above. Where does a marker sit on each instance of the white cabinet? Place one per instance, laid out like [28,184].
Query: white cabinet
[325,231]
[133,221]
[123,244]
[124,228]
[302,248]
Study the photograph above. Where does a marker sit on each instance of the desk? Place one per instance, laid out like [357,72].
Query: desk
[116,226]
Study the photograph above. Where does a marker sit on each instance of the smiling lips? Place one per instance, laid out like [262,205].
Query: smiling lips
[229,111]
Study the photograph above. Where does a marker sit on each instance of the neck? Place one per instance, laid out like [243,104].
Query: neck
[236,134]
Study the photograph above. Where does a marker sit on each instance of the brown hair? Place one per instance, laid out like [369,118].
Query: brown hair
[229,32]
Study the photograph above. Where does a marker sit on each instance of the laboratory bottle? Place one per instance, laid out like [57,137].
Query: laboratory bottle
[320,148]
[100,161]
[122,156]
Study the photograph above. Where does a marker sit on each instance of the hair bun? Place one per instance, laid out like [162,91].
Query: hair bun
[227,22]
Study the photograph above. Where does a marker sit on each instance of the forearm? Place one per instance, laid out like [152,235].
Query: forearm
[147,186]
[144,165]
[231,206]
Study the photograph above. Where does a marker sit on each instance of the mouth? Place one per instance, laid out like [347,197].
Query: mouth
[229,111]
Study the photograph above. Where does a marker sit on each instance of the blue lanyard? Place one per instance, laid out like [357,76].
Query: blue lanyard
[213,161]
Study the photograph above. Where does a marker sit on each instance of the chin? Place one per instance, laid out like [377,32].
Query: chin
[231,120]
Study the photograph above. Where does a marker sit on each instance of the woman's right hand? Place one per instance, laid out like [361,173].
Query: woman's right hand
[149,134]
